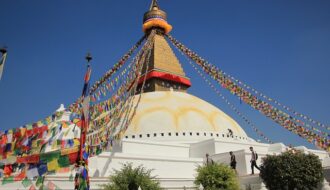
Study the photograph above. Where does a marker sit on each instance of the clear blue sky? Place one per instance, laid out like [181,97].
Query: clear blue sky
[279,47]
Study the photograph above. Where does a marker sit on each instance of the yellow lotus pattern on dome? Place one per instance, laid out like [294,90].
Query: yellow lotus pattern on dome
[168,111]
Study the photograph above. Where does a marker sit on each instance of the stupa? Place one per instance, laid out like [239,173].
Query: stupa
[172,130]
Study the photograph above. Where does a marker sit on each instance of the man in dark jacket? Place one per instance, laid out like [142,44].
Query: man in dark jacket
[253,160]
[232,160]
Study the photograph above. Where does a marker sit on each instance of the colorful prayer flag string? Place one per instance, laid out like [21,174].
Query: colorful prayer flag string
[278,116]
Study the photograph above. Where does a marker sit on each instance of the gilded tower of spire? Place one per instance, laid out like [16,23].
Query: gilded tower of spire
[164,69]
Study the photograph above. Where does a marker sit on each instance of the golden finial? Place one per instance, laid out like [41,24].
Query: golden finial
[155,18]
[154,3]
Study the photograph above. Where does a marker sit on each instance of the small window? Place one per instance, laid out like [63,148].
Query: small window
[184,134]
[177,134]
[162,134]
[148,135]
[227,136]
[155,134]
[204,134]
[140,136]
[133,136]
[169,134]
[197,134]
[223,135]
[211,134]
[190,133]
[126,137]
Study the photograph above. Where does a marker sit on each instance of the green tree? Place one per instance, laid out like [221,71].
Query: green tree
[130,178]
[291,170]
[216,177]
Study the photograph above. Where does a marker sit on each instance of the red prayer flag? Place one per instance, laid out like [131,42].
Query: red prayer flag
[32,187]
[51,186]
[20,176]
[73,157]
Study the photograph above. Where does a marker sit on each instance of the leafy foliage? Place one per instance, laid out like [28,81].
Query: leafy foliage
[216,177]
[291,170]
[129,178]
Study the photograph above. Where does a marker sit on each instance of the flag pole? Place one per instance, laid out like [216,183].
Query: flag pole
[2,60]
[82,178]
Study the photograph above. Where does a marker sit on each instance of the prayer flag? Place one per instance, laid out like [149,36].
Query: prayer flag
[32,187]
[49,156]
[20,176]
[53,165]
[31,173]
[64,170]
[26,182]
[63,161]
[42,169]
[51,186]
[7,180]
[40,181]
[86,103]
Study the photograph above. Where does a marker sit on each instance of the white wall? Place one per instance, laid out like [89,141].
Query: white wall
[199,150]
[139,147]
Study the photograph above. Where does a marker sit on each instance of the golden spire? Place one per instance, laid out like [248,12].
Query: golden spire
[164,69]
[155,18]
[154,3]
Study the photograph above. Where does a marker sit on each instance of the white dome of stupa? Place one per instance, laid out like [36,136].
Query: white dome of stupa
[170,114]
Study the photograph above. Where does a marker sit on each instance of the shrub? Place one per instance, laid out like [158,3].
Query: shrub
[129,178]
[216,177]
[291,170]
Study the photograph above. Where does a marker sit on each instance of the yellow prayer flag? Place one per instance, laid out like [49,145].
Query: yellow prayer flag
[64,125]
[54,145]
[69,150]
[76,120]
[23,131]
[66,132]
[76,142]
[34,144]
[53,165]
[11,159]
[39,123]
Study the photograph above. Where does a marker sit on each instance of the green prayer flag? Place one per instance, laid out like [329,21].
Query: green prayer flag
[83,184]
[7,180]
[98,151]
[63,161]
[26,182]
[49,156]
[39,181]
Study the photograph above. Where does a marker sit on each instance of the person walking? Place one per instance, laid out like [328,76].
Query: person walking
[254,158]
[233,161]
[208,159]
